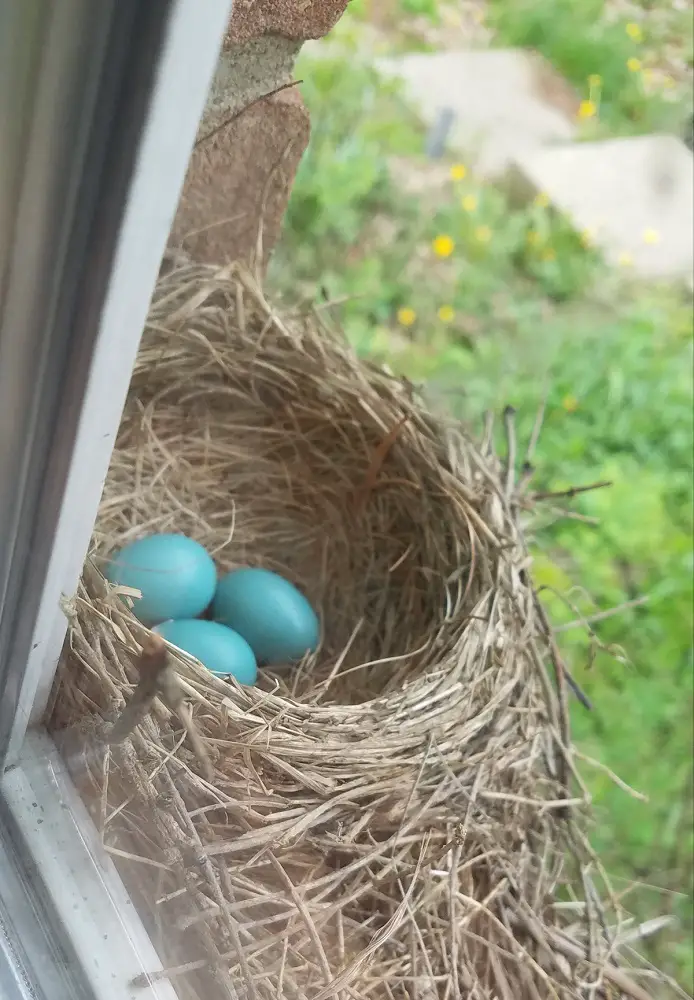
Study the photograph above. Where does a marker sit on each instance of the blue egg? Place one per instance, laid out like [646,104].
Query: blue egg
[220,649]
[269,612]
[176,576]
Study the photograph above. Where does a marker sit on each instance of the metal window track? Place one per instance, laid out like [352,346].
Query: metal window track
[100,101]
[86,940]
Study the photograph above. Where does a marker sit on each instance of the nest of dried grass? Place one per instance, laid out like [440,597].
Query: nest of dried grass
[393,817]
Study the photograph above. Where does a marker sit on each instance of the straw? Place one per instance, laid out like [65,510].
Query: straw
[395,816]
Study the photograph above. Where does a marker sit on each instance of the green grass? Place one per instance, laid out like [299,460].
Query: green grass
[628,375]
[421,8]
[347,225]
[581,40]
[529,312]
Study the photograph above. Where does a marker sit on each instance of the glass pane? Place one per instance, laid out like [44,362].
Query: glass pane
[96,133]
[317,709]
[70,930]
[36,961]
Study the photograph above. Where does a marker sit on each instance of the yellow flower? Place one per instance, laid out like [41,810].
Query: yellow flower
[648,76]
[588,237]
[668,82]
[634,31]
[406,316]
[446,314]
[651,236]
[587,109]
[549,254]
[542,199]
[570,403]
[594,81]
[458,172]
[633,64]
[534,238]
[469,203]
[483,234]
[625,259]
[443,246]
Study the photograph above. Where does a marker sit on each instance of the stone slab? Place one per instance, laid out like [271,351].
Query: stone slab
[242,135]
[244,73]
[299,19]
[251,137]
[241,175]
[504,101]
[634,196]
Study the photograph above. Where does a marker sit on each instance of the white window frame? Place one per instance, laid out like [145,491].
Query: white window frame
[51,827]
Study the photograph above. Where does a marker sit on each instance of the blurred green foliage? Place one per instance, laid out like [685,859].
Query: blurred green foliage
[521,311]
[580,42]
[421,8]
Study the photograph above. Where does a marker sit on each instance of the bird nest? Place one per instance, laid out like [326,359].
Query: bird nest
[394,816]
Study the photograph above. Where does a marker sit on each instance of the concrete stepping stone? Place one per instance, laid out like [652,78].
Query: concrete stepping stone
[501,102]
[634,197]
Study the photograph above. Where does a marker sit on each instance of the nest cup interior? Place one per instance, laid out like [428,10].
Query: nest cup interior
[270,451]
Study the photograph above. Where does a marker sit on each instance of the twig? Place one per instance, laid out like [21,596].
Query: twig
[600,616]
[647,929]
[151,666]
[244,109]
[527,473]
[558,660]
[377,459]
[618,977]
[572,491]
[611,775]
[559,514]
[534,437]
[198,747]
[563,709]
[510,427]
[486,444]
[158,678]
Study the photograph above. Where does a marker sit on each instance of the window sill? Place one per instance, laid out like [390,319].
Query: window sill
[51,826]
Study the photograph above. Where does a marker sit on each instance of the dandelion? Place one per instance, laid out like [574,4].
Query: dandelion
[648,76]
[458,172]
[634,31]
[651,236]
[483,234]
[446,314]
[625,260]
[406,316]
[549,254]
[634,65]
[570,403]
[534,238]
[588,237]
[594,92]
[668,82]
[469,203]
[443,246]
[587,109]
[542,199]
